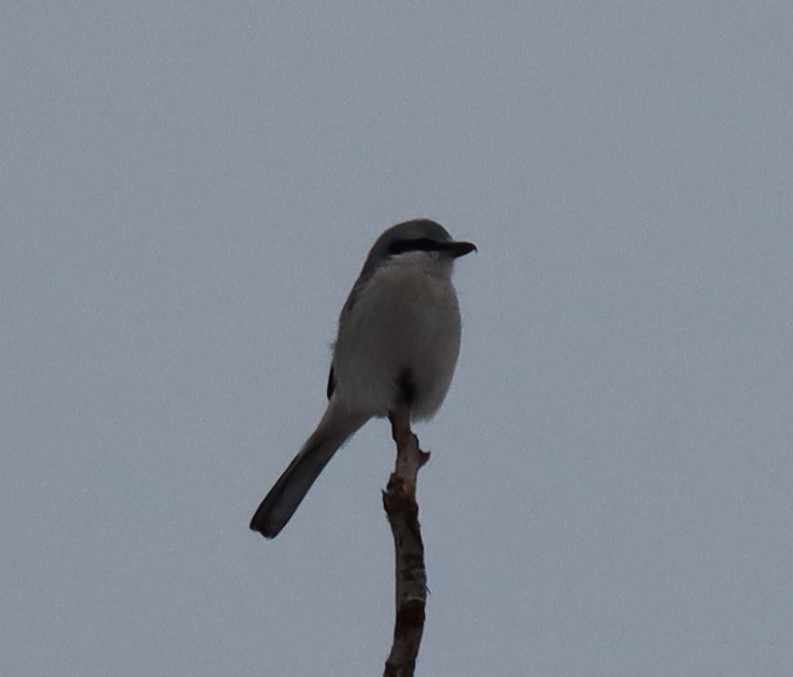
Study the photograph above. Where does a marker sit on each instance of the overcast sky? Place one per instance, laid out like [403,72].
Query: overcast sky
[188,191]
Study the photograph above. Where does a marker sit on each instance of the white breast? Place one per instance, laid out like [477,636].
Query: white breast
[406,317]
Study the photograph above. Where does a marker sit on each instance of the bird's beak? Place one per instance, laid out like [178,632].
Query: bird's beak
[458,249]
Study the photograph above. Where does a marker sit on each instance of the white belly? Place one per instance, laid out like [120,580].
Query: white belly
[404,320]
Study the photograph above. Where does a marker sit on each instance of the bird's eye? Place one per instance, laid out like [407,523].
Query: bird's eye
[419,244]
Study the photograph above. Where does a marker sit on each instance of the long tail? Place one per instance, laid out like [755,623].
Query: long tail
[291,488]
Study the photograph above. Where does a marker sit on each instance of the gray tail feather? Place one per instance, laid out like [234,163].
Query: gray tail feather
[291,488]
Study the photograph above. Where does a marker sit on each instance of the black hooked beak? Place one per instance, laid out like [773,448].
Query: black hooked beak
[458,249]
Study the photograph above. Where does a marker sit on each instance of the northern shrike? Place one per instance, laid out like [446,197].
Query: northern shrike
[397,344]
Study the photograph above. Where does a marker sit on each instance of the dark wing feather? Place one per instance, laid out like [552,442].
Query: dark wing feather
[331,382]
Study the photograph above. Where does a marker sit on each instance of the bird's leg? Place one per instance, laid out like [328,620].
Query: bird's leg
[400,424]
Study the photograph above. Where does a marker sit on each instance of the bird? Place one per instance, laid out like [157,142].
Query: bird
[397,345]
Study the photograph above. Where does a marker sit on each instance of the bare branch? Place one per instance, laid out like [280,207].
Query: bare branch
[399,501]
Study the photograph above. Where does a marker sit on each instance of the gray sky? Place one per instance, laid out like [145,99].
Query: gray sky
[189,190]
